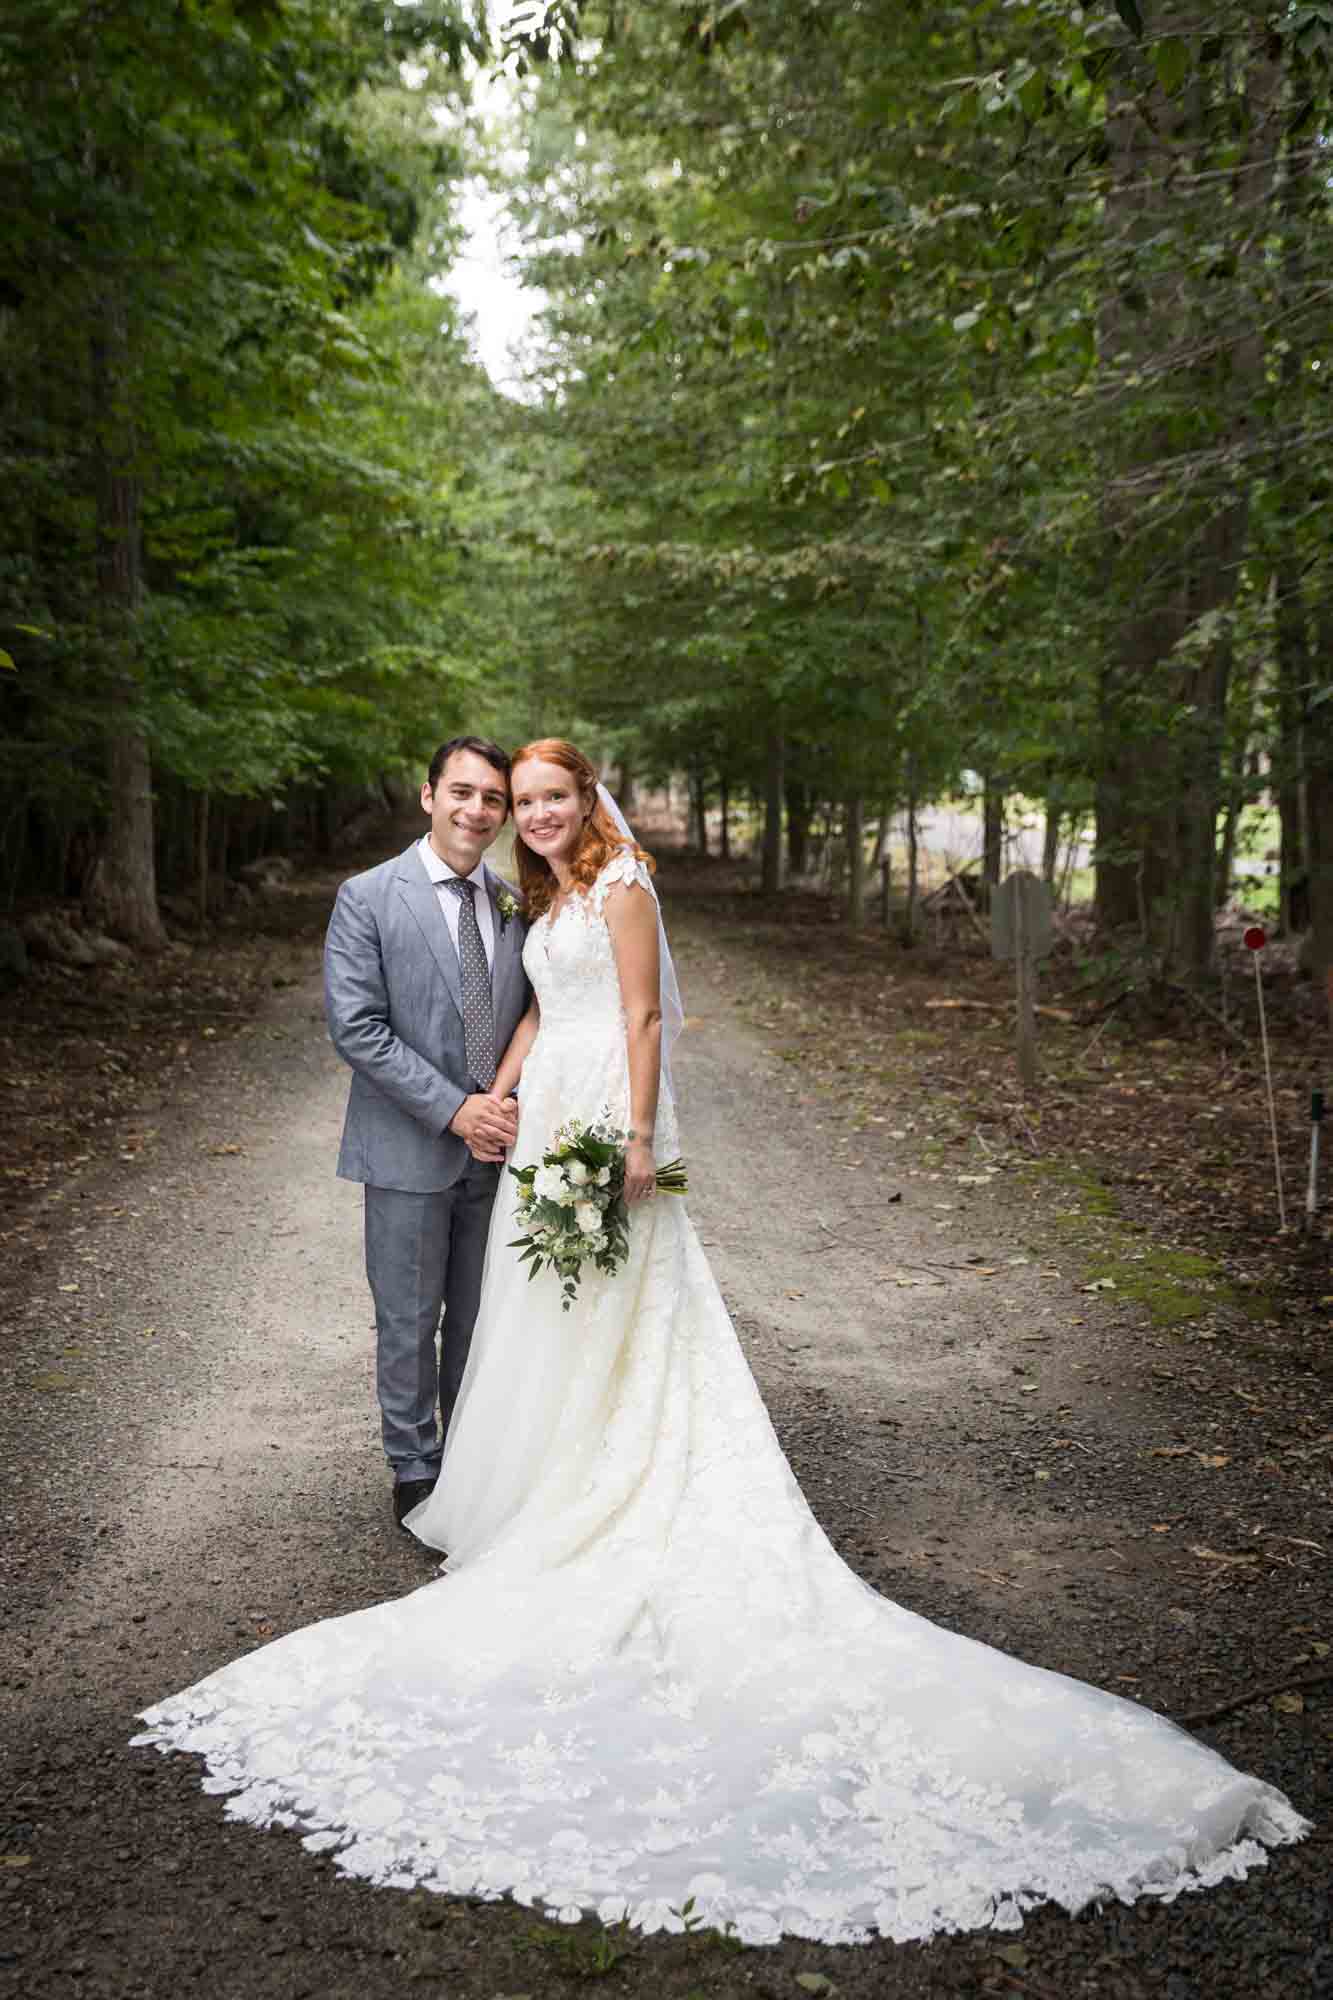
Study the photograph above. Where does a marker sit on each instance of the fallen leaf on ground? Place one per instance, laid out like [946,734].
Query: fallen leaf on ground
[1289,1704]
[1220,1556]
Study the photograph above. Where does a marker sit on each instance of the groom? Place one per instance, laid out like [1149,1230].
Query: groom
[423,987]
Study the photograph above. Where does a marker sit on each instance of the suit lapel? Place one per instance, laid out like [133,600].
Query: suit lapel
[423,900]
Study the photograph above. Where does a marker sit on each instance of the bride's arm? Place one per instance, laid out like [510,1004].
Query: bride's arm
[514,1057]
[631,918]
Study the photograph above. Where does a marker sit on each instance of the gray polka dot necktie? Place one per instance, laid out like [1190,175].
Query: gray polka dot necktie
[478,1017]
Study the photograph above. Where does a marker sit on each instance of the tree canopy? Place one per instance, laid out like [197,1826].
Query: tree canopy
[926,396]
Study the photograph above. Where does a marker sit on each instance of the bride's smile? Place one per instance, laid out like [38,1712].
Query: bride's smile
[548,811]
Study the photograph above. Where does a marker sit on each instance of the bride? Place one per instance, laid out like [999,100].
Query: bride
[644,1678]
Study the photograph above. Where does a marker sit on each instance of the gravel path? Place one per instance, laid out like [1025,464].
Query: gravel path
[191,1466]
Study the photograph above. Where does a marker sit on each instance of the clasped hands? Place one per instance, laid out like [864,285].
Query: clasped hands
[487,1124]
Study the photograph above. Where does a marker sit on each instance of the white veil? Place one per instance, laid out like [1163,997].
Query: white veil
[673,1014]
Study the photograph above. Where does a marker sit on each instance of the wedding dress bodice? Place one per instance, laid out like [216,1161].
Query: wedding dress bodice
[581,1052]
[646,1676]
[569,959]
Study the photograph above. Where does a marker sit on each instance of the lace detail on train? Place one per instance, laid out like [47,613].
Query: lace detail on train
[646,1676]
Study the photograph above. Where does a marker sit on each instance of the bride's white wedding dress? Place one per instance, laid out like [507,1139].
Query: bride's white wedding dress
[646,1676]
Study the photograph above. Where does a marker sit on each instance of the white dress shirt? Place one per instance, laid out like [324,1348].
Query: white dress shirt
[440,872]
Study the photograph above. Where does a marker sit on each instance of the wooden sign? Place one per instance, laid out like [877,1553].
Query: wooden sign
[1021,930]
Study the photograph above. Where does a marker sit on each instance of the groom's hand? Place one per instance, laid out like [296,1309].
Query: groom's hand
[487,1125]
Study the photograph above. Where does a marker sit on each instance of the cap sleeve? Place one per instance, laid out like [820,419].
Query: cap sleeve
[624,867]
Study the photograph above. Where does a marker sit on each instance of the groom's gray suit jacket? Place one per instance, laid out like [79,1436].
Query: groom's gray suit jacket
[394,1003]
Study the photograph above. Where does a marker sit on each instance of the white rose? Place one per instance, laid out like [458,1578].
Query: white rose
[549,1183]
[576,1173]
[589,1217]
[603,1176]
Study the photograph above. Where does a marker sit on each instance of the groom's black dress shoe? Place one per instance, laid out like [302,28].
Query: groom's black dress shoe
[410,1493]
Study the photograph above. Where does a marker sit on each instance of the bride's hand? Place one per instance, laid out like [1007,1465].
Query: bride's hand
[640,1171]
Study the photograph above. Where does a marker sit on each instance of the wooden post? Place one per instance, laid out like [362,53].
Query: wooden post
[1021,930]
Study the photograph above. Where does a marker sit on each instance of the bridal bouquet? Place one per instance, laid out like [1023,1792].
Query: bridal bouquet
[572,1205]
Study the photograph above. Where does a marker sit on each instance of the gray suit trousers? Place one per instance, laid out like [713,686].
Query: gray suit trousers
[425,1252]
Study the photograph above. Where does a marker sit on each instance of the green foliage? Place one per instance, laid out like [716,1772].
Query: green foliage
[584,1951]
[227,380]
[948,383]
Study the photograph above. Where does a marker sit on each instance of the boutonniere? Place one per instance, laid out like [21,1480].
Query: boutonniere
[507,903]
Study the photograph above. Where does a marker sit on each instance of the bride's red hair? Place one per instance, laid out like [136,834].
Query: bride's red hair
[601,838]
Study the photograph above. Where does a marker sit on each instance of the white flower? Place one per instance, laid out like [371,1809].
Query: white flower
[577,1173]
[589,1217]
[549,1183]
[603,1176]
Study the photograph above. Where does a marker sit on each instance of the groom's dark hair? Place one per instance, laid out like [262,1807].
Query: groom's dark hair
[479,745]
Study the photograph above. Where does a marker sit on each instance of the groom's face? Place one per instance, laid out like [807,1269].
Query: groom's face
[467,809]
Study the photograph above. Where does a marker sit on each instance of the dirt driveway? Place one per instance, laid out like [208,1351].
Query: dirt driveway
[191,1466]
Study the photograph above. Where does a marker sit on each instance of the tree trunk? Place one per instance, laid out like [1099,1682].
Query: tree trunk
[770,880]
[913,876]
[798,827]
[120,893]
[1226,846]
[1235,788]
[698,814]
[1203,736]
[1133,783]
[1319,818]
[1162,702]
[201,855]
[1050,840]
[724,808]
[1295,668]
[992,818]
[856,862]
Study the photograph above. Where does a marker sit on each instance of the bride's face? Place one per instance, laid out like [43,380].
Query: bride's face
[549,809]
